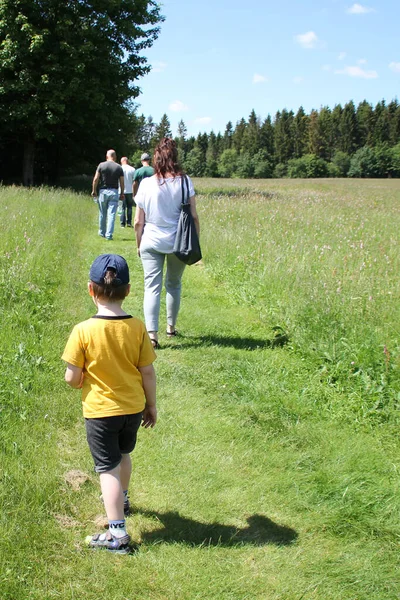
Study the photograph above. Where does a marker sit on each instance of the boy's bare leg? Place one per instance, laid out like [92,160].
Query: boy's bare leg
[126,471]
[112,493]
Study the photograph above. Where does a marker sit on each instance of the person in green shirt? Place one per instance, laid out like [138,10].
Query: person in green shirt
[145,171]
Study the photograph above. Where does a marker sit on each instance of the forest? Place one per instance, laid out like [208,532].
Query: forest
[346,141]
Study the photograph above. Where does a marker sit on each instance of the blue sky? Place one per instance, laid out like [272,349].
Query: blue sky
[215,61]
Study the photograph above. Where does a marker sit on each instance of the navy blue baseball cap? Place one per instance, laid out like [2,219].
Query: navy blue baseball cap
[109,261]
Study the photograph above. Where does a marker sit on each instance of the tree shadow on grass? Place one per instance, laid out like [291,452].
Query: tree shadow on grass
[260,531]
[228,341]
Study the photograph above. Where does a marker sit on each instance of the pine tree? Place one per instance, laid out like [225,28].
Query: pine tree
[182,130]
[300,133]
[219,144]
[348,129]
[336,118]
[228,136]
[283,125]
[267,138]
[162,130]
[315,142]
[181,140]
[251,135]
[202,143]
[237,137]
[141,133]
[394,122]
[211,168]
[190,142]
[325,131]
[381,131]
[366,123]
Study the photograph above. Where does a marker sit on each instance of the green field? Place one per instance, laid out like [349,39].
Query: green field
[273,472]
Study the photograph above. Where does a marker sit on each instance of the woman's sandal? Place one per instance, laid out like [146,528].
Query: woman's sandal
[171,334]
[155,344]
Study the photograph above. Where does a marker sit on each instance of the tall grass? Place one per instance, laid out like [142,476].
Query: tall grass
[273,470]
[322,263]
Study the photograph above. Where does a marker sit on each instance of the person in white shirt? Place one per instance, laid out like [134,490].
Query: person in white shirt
[158,207]
[128,202]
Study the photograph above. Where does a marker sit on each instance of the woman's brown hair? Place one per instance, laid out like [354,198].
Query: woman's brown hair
[112,288]
[165,160]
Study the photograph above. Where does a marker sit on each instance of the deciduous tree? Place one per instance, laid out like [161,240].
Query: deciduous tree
[68,69]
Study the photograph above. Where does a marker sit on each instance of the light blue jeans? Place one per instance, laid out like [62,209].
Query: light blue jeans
[108,204]
[153,265]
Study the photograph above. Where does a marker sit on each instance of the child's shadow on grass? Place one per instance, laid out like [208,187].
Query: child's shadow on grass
[175,528]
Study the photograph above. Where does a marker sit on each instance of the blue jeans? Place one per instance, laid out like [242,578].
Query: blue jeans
[108,204]
[127,205]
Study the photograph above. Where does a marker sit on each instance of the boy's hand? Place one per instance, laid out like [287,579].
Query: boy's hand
[149,417]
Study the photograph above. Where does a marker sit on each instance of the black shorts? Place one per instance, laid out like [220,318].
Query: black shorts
[110,437]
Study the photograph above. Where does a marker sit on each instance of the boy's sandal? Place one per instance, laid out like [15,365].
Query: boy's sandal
[172,333]
[109,542]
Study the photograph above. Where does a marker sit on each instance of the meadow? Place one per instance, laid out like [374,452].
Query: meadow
[273,472]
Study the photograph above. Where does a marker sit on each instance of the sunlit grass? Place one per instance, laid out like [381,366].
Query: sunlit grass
[273,471]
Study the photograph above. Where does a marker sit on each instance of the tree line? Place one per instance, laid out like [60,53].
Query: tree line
[346,141]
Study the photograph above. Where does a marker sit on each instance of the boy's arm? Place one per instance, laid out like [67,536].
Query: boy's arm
[149,385]
[74,376]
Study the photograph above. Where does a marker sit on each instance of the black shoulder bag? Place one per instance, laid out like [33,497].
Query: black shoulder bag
[187,245]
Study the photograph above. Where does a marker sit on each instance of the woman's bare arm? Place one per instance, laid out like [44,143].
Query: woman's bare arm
[192,202]
[139,226]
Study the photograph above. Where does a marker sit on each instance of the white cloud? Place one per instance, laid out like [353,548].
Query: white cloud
[259,78]
[357,72]
[359,9]
[326,68]
[177,106]
[362,61]
[395,67]
[342,56]
[159,67]
[202,120]
[298,79]
[307,40]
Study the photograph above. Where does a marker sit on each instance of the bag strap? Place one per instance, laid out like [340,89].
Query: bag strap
[185,183]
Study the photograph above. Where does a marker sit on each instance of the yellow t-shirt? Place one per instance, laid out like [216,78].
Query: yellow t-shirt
[110,350]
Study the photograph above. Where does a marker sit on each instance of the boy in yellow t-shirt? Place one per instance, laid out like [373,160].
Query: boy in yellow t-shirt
[110,357]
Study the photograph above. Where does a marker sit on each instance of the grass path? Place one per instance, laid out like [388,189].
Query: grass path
[244,490]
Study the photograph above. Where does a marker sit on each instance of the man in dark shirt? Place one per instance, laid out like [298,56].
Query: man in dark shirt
[108,176]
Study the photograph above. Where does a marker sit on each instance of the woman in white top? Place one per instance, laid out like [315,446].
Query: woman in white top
[158,206]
